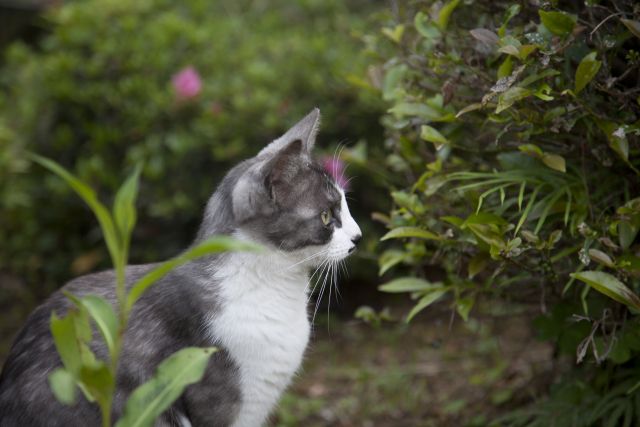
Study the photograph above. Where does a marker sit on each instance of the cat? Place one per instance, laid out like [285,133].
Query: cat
[252,306]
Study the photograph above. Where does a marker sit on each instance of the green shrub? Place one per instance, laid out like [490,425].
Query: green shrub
[96,93]
[514,131]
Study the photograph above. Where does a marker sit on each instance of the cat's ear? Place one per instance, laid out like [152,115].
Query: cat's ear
[265,186]
[305,131]
[281,171]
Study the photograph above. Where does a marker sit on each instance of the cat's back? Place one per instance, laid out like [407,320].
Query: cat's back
[168,317]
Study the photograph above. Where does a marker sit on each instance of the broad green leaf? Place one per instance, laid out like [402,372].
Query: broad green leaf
[425,26]
[559,23]
[391,84]
[63,330]
[531,150]
[211,246]
[445,14]
[63,385]
[124,210]
[633,26]
[395,33]
[586,71]
[505,69]
[402,232]
[431,134]
[511,96]
[610,286]
[173,375]
[424,302]
[90,198]
[554,161]
[453,220]
[487,234]
[389,259]
[627,232]
[410,109]
[526,50]
[408,284]
[105,319]
[463,307]
[98,382]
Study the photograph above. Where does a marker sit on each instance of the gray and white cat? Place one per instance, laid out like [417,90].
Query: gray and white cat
[253,307]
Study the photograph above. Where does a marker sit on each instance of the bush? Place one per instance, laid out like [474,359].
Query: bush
[188,88]
[513,134]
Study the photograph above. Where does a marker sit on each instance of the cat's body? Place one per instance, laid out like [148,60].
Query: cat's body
[252,306]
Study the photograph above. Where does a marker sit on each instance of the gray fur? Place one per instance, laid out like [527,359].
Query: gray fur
[274,197]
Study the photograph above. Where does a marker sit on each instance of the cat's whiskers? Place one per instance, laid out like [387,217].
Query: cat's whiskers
[321,266]
[321,252]
[322,269]
[324,283]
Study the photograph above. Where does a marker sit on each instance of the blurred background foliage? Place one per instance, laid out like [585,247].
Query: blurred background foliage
[188,88]
[495,143]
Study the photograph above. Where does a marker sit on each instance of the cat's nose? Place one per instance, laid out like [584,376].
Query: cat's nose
[355,241]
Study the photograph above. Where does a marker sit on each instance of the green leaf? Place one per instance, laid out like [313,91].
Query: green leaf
[511,96]
[610,286]
[431,134]
[124,211]
[445,14]
[586,71]
[411,109]
[173,375]
[424,302]
[63,330]
[105,318]
[425,27]
[408,284]
[211,246]
[554,161]
[505,69]
[531,150]
[559,23]
[98,381]
[633,26]
[468,108]
[63,385]
[627,232]
[511,12]
[402,232]
[463,307]
[90,198]
[389,259]
[394,34]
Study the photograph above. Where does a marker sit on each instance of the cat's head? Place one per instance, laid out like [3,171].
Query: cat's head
[285,199]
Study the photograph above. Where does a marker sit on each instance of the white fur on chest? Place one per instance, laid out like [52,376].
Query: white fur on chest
[263,324]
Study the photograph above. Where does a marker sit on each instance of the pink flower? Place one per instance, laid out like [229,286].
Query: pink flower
[336,168]
[187,83]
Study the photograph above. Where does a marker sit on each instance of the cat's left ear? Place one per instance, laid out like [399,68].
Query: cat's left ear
[305,130]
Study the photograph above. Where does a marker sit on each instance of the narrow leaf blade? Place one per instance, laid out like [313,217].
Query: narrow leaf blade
[173,375]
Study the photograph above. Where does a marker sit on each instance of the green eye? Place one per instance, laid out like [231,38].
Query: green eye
[326,217]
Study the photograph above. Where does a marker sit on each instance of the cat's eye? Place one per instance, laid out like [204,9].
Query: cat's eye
[326,217]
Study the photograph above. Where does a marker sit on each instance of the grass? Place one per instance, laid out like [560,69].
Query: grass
[425,374]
